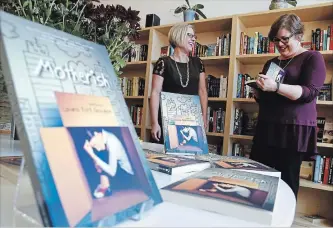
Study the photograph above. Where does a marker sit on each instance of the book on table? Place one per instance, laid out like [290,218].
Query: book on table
[274,71]
[83,154]
[243,195]
[182,124]
[238,163]
[173,164]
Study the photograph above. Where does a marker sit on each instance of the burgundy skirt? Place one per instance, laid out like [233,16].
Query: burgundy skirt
[287,136]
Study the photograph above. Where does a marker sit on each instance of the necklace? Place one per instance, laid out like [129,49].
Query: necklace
[289,60]
[287,63]
[180,75]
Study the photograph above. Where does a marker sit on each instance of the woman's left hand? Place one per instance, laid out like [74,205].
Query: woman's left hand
[266,83]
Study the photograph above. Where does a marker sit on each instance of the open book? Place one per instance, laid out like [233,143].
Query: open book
[274,71]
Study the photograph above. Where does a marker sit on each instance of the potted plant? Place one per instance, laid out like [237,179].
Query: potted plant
[190,13]
[280,4]
[113,26]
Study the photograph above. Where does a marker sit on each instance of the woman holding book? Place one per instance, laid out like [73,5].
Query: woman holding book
[286,129]
[177,73]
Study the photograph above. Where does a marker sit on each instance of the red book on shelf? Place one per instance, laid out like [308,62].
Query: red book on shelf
[326,170]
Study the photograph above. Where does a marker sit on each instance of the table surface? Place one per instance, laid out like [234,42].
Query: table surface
[166,214]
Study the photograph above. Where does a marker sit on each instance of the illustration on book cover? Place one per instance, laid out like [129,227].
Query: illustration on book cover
[182,124]
[250,189]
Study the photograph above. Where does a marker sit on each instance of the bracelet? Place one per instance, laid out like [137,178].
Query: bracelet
[277,87]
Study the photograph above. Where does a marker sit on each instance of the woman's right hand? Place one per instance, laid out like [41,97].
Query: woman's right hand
[156,132]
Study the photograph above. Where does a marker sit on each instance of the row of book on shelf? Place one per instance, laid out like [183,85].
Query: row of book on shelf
[136,113]
[245,124]
[244,91]
[91,126]
[319,170]
[134,86]
[217,86]
[321,40]
[215,119]
[220,48]
[139,52]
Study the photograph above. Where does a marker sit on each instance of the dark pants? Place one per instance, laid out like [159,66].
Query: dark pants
[286,161]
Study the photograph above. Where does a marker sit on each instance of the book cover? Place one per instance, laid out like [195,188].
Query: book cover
[274,71]
[82,151]
[328,131]
[182,124]
[234,162]
[170,164]
[245,188]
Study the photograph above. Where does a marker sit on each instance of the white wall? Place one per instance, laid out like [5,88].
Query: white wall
[213,8]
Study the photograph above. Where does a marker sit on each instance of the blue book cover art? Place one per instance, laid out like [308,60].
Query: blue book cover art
[249,189]
[84,157]
[182,124]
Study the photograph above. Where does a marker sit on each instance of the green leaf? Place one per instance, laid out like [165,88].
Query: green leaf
[201,14]
[198,6]
[25,4]
[188,3]
[180,9]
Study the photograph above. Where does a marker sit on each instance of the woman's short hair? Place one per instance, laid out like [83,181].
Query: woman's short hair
[290,22]
[178,33]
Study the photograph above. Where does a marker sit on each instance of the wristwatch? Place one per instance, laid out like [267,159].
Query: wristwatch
[277,87]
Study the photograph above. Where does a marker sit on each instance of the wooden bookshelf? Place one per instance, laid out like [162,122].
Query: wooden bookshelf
[313,16]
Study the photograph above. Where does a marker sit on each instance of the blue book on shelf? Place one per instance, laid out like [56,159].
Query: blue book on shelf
[83,154]
[182,123]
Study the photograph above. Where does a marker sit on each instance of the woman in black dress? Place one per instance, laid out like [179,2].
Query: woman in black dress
[177,73]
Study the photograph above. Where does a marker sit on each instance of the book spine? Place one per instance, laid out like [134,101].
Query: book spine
[326,170]
[164,169]
[330,176]
[317,167]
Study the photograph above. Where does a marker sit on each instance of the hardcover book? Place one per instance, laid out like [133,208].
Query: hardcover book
[227,192]
[172,164]
[182,124]
[274,71]
[83,154]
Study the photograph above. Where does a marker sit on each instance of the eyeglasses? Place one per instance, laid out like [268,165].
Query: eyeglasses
[192,36]
[284,39]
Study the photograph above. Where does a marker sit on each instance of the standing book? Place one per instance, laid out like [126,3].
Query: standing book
[182,123]
[83,154]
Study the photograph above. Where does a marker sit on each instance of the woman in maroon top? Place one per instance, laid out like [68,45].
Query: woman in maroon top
[286,128]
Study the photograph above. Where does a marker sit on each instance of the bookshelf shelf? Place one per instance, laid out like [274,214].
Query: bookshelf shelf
[263,58]
[325,103]
[328,55]
[243,137]
[134,97]
[244,100]
[136,65]
[310,184]
[202,26]
[325,145]
[217,99]
[209,60]
[255,58]
[214,134]
[318,12]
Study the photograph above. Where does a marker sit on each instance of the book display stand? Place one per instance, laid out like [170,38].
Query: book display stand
[25,209]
